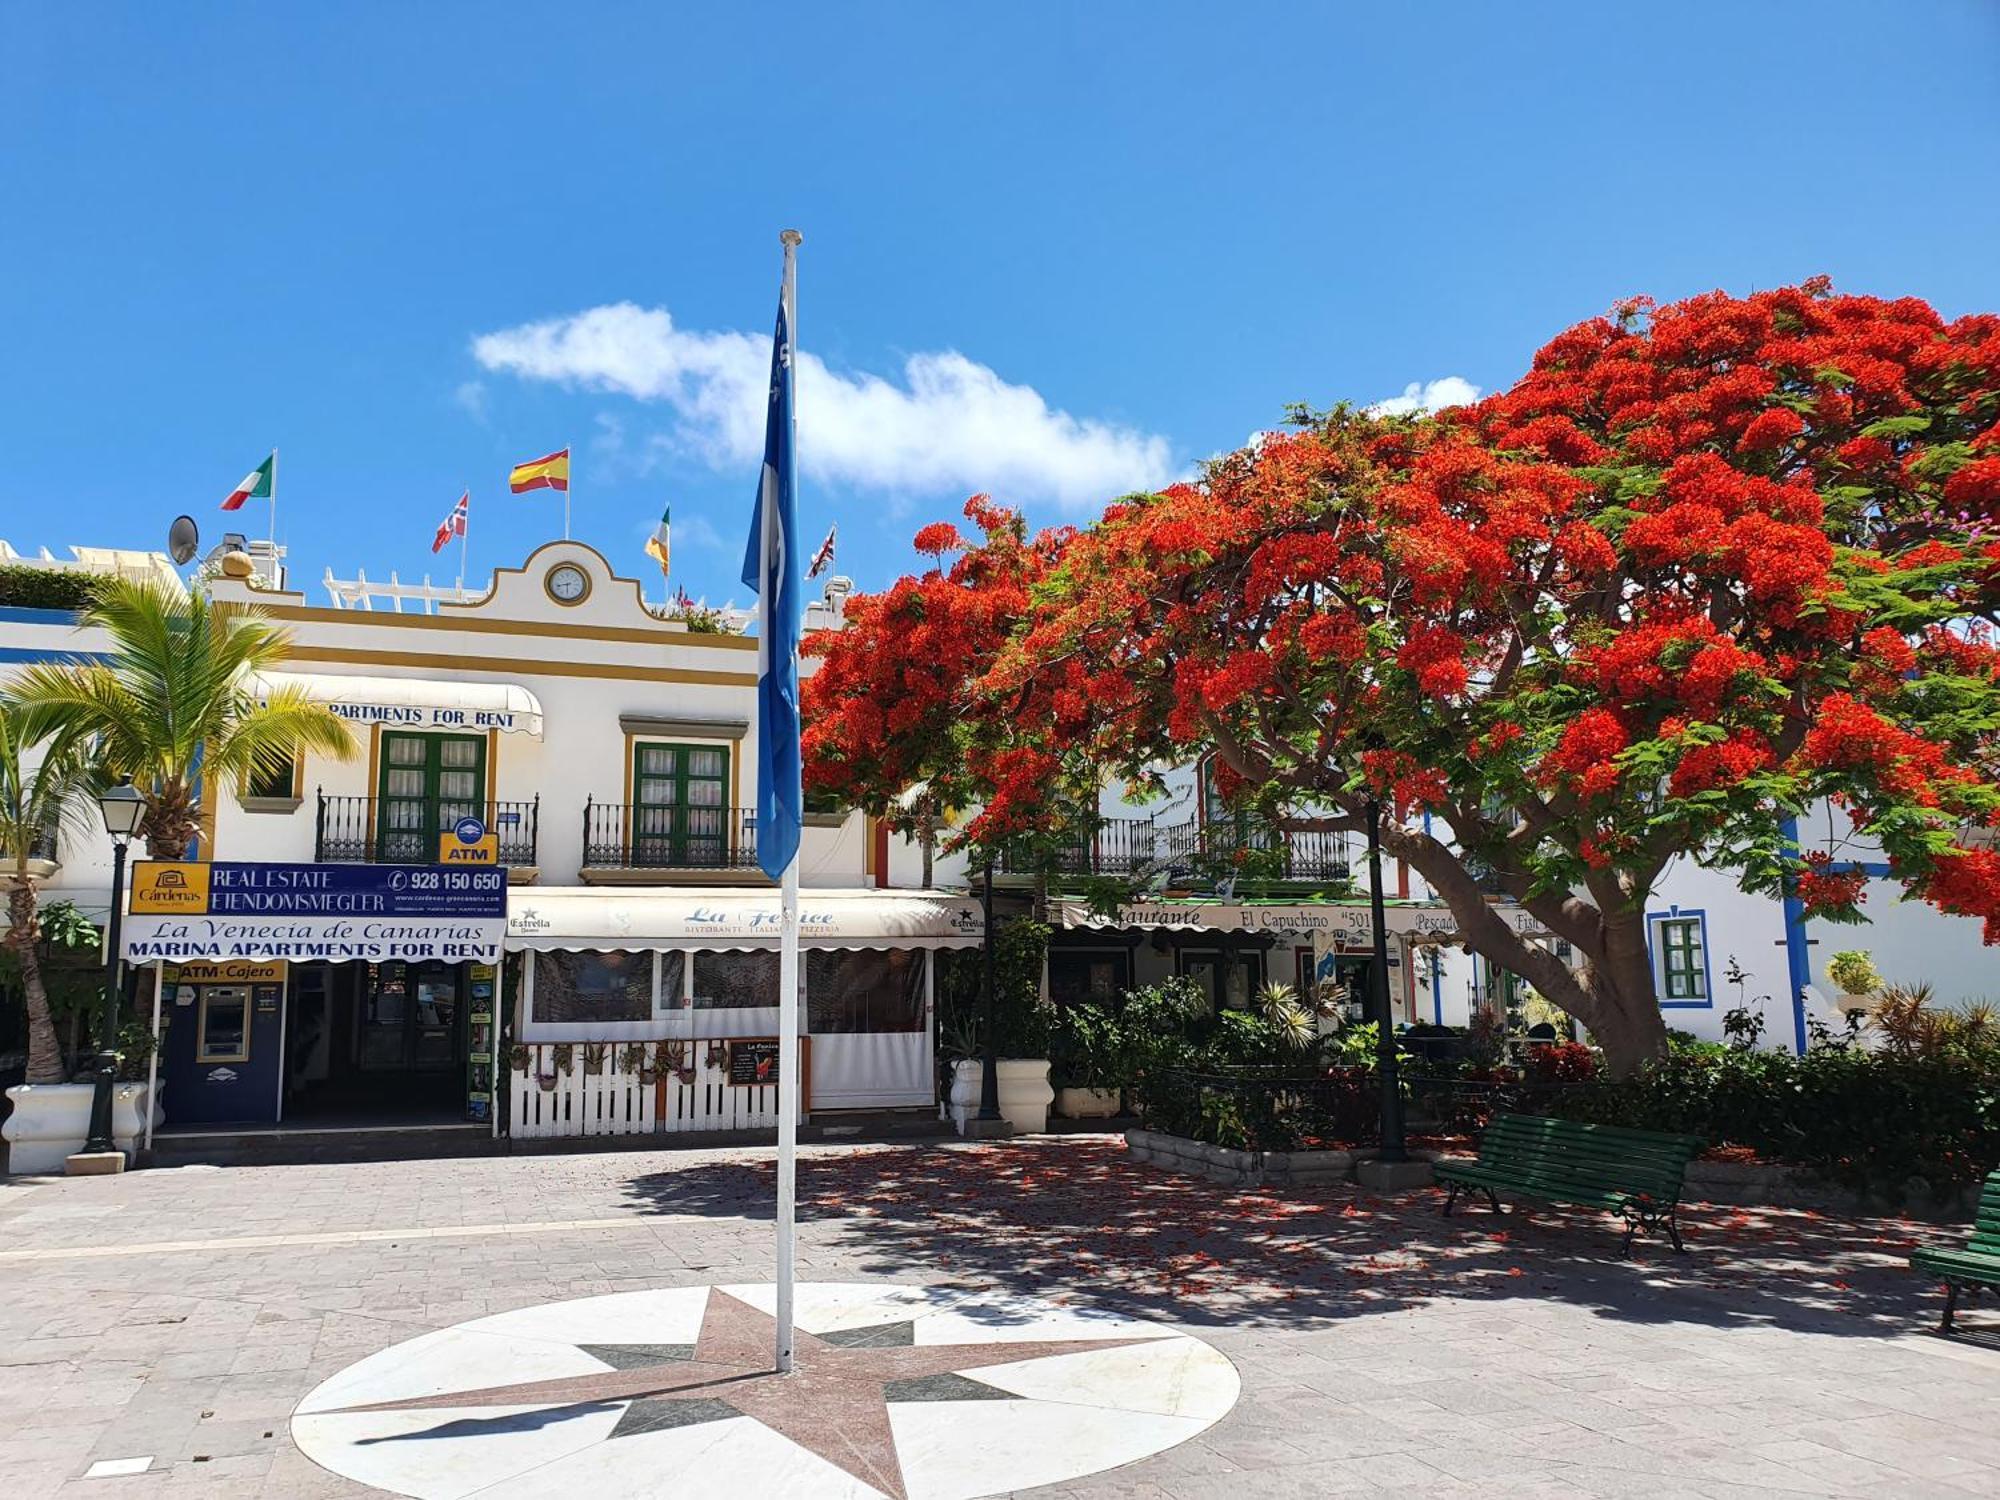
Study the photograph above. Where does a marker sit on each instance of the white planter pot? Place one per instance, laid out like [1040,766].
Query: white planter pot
[1087,1104]
[51,1121]
[1025,1094]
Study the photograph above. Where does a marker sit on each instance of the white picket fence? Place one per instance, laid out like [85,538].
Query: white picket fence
[614,1101]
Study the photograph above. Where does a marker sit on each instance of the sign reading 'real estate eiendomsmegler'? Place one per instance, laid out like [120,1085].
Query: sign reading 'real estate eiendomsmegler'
[220,911]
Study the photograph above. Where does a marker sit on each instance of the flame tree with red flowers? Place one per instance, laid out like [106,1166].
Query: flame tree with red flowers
[894,724]
[1702,566]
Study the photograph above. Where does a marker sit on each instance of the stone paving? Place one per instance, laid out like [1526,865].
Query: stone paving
[179,1315]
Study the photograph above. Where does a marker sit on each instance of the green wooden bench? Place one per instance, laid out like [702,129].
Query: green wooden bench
[1634,1173]
[1977,1264]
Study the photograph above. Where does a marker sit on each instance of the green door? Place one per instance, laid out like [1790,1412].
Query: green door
[680,805]
[429,782]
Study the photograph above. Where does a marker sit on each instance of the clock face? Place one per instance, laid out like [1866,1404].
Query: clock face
[567,583]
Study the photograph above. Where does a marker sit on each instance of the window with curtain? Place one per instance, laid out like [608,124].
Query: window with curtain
[864,989]
[593,987]
[736,981]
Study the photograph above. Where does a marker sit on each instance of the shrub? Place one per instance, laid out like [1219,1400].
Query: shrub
[25,587]
[1879,1123]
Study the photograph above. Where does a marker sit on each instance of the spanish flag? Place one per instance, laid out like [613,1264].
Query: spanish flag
[550,473]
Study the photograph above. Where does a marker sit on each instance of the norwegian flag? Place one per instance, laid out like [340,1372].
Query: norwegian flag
[823,559]
[452,525]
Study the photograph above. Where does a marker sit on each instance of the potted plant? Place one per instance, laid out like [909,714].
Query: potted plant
[1021,1032]
[593,1058]
[1089,1062]
[632,1059]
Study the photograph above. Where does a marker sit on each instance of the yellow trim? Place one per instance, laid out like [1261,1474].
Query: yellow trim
[510,664]
[374,761]
[867,845]
[211,795]
[312,614]
[492,765]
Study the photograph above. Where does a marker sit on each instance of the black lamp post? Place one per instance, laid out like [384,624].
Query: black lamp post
[122,807]
[989,1059]
[1378,984]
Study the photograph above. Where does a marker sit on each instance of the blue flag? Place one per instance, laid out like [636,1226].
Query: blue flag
[771,568]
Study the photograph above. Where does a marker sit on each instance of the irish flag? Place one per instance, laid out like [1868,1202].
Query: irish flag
[256,485]
[659,546]
[550,472]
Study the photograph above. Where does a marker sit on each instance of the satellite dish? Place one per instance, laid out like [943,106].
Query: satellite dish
[182,540]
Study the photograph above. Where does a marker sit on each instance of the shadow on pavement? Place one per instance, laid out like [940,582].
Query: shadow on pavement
[1074,1219]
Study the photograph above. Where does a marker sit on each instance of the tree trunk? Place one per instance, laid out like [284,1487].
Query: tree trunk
[171,822]
[1611,993]
[927,833]
[45,1057]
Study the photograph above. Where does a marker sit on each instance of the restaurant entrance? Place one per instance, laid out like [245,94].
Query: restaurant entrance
[377,1041]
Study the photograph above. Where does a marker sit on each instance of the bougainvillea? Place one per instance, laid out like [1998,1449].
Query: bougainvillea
[1701,566]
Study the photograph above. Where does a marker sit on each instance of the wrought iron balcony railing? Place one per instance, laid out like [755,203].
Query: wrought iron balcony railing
[634,836]
[404,830]
[1140,848]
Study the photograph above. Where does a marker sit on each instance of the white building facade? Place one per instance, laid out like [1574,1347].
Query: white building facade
[608,754]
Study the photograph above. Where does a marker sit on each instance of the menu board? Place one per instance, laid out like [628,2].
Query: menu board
[480,1042]
[753,1064]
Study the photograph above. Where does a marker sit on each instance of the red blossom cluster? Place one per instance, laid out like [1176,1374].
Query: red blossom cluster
[1702,561]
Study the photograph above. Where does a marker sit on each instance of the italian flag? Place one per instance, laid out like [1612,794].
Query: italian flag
[256,485]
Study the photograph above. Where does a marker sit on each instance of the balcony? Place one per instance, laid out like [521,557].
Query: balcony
[628,843]
[1139,849]
[43,861]
[1249,850]
[370,831]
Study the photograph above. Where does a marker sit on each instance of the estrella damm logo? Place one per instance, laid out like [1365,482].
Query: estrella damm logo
[160,887]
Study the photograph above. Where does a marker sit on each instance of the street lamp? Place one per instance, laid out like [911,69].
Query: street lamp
[1378,983]
[122,807]
[989,1057]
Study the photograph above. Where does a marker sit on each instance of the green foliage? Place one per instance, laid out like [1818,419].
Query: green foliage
[1021,1021]
[1874,1122]
[24,587]
[1854,971]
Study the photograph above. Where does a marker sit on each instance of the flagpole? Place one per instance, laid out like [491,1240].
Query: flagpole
[568,480]
[788,943]
[462,544]
[273,543]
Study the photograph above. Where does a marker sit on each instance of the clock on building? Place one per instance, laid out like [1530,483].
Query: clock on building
[567,583]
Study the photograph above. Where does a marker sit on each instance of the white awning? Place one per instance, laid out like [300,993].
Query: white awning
[1346,922]
[417,702]
[592,919]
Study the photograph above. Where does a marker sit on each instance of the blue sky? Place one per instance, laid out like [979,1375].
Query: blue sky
[1052,250]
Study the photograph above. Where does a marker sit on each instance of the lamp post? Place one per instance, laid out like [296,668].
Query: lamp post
[989,1059]
[1378,984]
[122,807]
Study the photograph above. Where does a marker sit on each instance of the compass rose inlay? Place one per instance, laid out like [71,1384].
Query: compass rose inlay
[909,1392]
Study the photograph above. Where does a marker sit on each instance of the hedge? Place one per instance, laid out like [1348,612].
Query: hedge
[25,587]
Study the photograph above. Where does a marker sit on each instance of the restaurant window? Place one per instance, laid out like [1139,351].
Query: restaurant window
[745,980]
[223,1035]
[1099,978]
[587,987]
[864,989]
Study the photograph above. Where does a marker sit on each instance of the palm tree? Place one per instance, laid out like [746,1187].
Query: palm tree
[176,707]
[34,805]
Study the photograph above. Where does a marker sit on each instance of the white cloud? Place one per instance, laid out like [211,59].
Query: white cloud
[1428,396]
[470,397]
[948,424]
